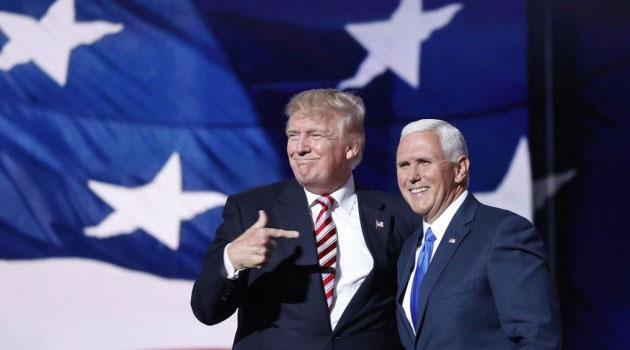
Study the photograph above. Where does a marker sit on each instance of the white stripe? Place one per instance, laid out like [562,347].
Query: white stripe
[326,274]
[323,245]
[330,255]
[326,215]
[326,244]
[329,285]
[324,201]
[327,257]
[324,231]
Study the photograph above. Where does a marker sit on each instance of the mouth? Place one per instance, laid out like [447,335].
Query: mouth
[417,190]
[305,160]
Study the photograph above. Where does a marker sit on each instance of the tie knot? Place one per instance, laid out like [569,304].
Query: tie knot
[327,201]
[429,237]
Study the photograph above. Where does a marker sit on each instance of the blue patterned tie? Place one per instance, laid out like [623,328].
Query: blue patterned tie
[421,268]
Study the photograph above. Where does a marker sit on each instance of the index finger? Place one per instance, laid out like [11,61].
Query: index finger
[278,233]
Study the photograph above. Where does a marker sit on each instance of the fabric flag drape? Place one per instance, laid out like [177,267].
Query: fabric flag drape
[124,125]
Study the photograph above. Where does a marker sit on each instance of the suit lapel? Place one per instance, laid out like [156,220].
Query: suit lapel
[405,275]
[453,237]
[375,225]
[292,212]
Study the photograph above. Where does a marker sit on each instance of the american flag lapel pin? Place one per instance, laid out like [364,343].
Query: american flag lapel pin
[379,224]
[451,240]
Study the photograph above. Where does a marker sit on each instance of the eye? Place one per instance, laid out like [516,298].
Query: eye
[403,165]
[424,162]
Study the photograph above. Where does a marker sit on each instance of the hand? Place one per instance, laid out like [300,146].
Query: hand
[254,247]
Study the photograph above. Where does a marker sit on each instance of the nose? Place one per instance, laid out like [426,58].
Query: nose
[414,174]
[303,146]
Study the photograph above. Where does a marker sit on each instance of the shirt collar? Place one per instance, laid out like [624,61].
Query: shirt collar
[343,195]
[440,225]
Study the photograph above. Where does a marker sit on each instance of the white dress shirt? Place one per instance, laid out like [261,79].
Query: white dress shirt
[354,261]
[438,227]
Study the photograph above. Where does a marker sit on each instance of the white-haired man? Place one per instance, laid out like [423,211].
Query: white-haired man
[473,276]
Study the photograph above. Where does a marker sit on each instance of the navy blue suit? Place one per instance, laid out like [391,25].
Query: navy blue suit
[487,287]
[282,305]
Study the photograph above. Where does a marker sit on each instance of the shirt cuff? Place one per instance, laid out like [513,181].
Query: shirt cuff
[232,273]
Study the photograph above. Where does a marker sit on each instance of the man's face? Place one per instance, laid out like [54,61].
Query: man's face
[321,161]
[426,179]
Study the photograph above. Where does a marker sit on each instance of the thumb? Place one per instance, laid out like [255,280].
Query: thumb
[262,220]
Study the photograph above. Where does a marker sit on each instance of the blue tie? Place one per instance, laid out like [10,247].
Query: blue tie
[421,268]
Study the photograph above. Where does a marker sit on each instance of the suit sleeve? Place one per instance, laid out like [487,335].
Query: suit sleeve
[214,296]
[521,286]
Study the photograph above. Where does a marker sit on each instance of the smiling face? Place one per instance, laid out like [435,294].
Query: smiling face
[427,180]
[319,156]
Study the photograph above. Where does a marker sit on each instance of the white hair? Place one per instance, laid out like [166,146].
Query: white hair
[451,139]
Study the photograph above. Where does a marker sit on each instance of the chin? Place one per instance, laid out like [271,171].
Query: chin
[419,210]
[308,183]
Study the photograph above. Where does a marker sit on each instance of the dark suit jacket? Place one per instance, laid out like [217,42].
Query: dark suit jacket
[282,305]
[488,286]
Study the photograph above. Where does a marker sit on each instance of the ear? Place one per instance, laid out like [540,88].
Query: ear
[461,169]
[352,149]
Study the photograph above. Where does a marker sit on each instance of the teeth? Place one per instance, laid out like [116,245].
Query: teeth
[421,189]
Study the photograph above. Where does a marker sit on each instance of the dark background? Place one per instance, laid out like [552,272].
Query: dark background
[579,73]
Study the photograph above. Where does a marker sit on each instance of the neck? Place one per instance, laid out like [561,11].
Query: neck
[452,197]
[328,189]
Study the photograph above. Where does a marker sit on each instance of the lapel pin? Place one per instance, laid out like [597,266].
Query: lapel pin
[379,223]
[451,240]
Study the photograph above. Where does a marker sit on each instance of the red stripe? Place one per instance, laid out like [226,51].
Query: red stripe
[326,251]
[328,263]
[321,212]
[328,278]
[322,240]
[323,225]
[324,208]
[323,230]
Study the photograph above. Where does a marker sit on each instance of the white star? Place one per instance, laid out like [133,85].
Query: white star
[395,43]
[515,191]
[157,207]
[49,41]
[548,186]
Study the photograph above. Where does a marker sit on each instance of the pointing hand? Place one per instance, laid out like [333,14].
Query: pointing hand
[254,247]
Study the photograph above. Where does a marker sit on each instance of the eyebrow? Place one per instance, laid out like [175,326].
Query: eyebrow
[418,159]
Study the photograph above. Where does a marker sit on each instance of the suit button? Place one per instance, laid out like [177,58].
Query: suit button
[336,338]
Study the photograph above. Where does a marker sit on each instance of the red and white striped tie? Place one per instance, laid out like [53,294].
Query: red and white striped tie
[326,241]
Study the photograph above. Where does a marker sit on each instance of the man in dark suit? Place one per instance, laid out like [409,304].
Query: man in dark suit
[473,276]
[309,262]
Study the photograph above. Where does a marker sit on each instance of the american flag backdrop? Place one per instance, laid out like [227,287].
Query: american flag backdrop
[124,124]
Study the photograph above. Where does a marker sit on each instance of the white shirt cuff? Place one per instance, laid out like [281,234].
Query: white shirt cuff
[232,273]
